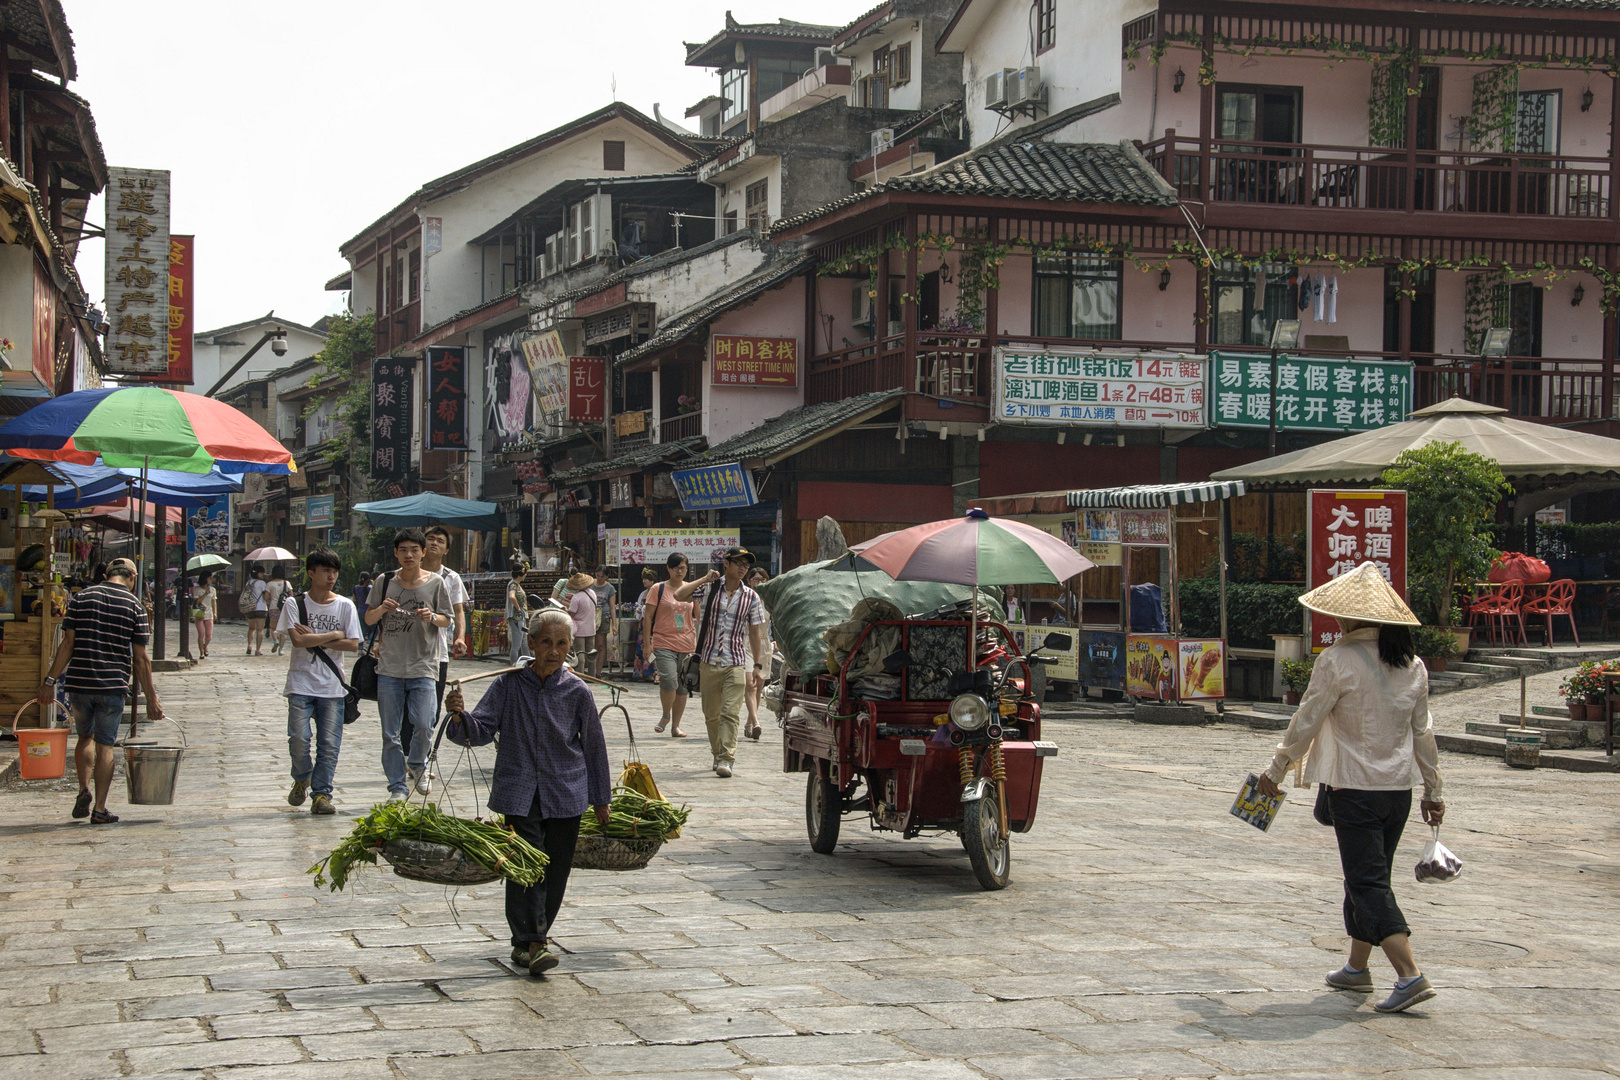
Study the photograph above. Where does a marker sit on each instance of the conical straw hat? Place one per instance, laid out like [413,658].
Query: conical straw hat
[1361,594]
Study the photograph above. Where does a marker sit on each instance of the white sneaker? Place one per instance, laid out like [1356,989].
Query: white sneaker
[396,796]
[722,771]
[423,781]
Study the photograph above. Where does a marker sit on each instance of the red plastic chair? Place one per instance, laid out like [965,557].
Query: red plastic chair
[1479,605]
[1500,609]
[1559,600]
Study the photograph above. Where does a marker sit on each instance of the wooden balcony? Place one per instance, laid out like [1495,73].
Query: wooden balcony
[398,327]
[1370,178]
[686,426]
[954,366]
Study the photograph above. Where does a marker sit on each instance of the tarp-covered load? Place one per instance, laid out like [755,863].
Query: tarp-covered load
[806,602]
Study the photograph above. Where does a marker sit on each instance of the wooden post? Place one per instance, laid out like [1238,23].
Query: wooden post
[1206,111]
[908,306]
[5,100]
[1403,334]
[160,562]
[1200,306]
[1614,135]
[880,302]
[1413,81]
[47,590]
[992,296]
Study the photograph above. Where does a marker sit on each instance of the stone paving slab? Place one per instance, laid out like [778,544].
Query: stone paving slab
[1146,933]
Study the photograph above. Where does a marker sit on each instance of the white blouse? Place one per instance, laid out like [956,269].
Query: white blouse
[1366,726]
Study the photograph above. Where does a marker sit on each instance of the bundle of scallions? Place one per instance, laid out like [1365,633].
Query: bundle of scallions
[490,846]
[633,816]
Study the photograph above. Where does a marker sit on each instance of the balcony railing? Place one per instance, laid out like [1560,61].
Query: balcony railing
[398,327]
[946,365]
[1370,178]
[817,85]
[686,426]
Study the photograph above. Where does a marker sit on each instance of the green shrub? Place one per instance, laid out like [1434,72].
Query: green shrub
[1254,611]
[1296,674]
[1434,643]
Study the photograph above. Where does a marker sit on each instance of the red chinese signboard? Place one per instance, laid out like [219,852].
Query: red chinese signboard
[587,389]
[447,398]
[751,361]
[1346,529]
[182,251]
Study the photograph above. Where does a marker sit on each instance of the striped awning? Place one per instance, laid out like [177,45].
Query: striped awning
[1149,495]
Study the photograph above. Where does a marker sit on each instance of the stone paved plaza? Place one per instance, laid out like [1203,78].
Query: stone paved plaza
[1146,933]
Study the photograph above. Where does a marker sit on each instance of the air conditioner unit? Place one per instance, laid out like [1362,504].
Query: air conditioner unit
[882,139]
[860,305]
[1022,85]
[995,90]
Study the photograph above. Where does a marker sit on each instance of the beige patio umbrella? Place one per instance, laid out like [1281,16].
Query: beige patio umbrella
[1545,464]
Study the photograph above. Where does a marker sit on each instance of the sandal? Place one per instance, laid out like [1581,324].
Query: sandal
[81,805]
[662,724]
[102,817]
[753,733]
[678,734]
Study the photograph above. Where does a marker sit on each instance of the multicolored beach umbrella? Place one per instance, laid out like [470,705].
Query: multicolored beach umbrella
[975,550]
[133,427]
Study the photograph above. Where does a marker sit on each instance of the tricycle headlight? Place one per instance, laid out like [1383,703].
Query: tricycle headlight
[969,712]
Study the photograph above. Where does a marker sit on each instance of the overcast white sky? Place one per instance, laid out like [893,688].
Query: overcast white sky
[289,127]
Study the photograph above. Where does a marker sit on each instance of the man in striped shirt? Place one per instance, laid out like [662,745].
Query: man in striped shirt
[103,632]
[732,615]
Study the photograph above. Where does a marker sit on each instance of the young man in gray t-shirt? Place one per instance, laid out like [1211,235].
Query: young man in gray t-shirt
[413,606]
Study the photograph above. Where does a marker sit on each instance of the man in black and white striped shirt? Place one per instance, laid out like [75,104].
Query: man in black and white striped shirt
[103,633]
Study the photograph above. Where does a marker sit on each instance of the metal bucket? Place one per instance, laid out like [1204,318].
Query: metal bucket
[151,769]
[1523,749]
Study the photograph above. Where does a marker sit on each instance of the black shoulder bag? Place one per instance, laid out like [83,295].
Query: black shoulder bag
[363,676]
[691,676]
[351,696]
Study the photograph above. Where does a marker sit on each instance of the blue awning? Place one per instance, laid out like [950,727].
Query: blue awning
[431,508]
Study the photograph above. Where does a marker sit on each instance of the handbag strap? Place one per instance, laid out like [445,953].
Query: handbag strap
[303,617]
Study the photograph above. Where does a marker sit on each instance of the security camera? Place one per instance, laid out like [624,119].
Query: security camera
[278,346]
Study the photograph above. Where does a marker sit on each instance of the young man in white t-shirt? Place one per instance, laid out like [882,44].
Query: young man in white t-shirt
[314,689]
[453,638]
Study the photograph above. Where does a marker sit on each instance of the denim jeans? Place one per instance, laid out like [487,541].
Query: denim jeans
[327,713]
[402,701]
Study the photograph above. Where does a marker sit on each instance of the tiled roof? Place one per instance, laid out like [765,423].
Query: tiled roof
[693,319]
[636,457]
[270,317]
[1066,172]
[643,266]
[799,428]
[782,28]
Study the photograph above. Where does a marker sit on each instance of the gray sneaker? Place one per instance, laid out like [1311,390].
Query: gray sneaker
[322,805]
[1402,998]
[423,782]
[722,770]
[295,797]
[1346,980]
[396,796]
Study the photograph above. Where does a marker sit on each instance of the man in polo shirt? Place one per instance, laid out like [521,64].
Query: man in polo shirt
[732,615]
[103,630]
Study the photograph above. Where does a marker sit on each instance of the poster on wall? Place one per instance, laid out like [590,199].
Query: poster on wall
[208,528]
[1144,528]
[1313,394]
[297,511]
[1345,529]
[137,271]
[1203,669]
[1079,387]
[507,392]
[447,398]
[754,361]
[318,512]
[548,371]
[391,417]
[714,487]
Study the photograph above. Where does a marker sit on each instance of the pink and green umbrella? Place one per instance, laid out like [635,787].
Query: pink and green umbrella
[974,550]
[134,427]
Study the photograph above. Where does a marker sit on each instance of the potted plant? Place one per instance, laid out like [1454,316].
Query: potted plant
[1296,676]
[1435,645]
[1584,690]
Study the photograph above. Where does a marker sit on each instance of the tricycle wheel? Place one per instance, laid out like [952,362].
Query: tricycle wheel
[821,813]
[987,851]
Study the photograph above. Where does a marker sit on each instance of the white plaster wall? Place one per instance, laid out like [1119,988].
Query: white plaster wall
[209,362]
[17,303]
[689,281]
[363,288]
[898,33]
[730,410]
[453,275]
[1146,314]
[763,167]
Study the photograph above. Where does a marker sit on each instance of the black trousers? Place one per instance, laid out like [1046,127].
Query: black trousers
[405,730]
[530,912]
[1369,825]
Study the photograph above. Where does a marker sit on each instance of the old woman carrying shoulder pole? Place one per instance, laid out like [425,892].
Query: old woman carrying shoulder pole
[552,763]
[1364,729]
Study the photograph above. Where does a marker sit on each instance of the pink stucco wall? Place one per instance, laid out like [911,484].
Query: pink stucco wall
[730,410]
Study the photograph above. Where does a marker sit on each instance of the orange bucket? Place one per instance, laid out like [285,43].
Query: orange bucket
[42,752]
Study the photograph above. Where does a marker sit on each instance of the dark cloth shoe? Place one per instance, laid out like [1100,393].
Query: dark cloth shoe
[295,797]
[322,805]
[102,817]
[542,960]
[81,805]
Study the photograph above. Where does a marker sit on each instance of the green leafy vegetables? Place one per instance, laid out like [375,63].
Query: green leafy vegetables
[490,846]
[633,816]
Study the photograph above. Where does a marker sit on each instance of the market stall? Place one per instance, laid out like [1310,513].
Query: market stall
[28,573]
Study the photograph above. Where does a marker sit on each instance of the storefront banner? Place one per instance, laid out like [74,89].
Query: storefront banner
[587,389]
[447,398]
[318,515]
[1313,394]
[137,271]
[1101,658]
[703,548]
[1203,669]
[752,361]
[1103,554]
[1061,664]
[1150,667]
[390,418]
[208,528]
[1075,387]
[1144,528]
[714,487]
[507,393]
[1346,529]
[182,250]
[297,511]
[548,371]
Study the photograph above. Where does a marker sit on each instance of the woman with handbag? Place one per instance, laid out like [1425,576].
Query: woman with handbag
[673,636]
[203,608]
[1364,723]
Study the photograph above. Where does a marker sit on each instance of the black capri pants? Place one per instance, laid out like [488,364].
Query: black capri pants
[1369,825]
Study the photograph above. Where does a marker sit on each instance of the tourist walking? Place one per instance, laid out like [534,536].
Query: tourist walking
[607,620]
[252,604]
[582,608]
[550,765]
[1364,730]
[757,662]
[317,624]
[411,606]
[204,610]
[517,616]
[732,623]
[673,638]
[643,665]
[275,592]
[104,634]
[452,639]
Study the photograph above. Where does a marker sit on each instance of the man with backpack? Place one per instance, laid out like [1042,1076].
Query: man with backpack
[412,606]
[316,623]
[276,591]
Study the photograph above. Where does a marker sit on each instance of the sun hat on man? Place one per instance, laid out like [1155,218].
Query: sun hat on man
[581,580]
[1363,595]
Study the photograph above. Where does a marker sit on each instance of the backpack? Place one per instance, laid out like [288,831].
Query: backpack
[244,599]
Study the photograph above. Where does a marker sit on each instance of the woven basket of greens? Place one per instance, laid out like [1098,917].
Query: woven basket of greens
[425,845]
[637,827]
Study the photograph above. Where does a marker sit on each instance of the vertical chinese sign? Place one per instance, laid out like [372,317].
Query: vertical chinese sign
[1346,529]
[390,418]
[182,275]
[587,389]
[447,398]
[548,369]
[137,279]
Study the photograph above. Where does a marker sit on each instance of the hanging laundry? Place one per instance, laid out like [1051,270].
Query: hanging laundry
[1260,287]
[1318,297]
[1304,283]
[1331,304]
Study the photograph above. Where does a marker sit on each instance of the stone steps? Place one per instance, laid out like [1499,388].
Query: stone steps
[1568,760]
[1551,738]
[1542,720]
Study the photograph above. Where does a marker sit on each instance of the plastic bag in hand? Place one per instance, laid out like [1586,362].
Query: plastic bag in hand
[1438,864]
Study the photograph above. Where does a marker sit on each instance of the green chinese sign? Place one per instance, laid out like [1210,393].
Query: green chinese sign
[1313,394]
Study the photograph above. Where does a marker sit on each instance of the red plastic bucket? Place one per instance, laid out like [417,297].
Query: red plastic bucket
[42,752]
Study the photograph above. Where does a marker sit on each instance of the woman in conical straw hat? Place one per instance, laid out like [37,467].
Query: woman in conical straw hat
[1364,730]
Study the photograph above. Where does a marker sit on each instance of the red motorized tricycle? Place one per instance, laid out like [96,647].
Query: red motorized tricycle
[946,746]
